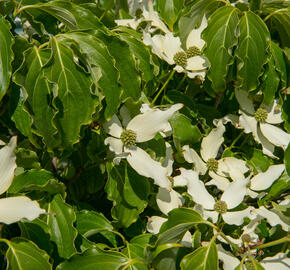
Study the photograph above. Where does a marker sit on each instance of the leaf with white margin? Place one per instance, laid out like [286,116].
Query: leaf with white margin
[168,200]
[144,165]
[264,180]
[7,164]
[13,209]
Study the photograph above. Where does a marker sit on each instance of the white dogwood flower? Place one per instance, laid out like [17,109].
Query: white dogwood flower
[13,209]
[141,128]
[259,182]
[168,48]
[206,204]
[218,169]
[261,123]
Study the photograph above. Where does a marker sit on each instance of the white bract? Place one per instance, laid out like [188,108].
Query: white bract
[141,128]
[207,205]
[261,123]
[218,169]
[168,48]
[13,209]
[259,182]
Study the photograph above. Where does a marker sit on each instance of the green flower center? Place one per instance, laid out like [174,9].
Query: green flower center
[192,51]
[180,59]
[246,238]
[249,265]
[261,115]
[128,137]
[221,207]
[212,164]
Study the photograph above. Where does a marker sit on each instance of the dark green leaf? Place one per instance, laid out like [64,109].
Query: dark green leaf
[281,20]
[60,223]
[6,56]
[287,159]
[220,37]
[25,255]
[36,180]
[94,259]
[251,50]
[102,67]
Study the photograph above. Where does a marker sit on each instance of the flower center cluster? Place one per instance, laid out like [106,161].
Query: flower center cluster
[246,238]
[221,207]
[261,115]
[212,164]
[128,137]
[180,59]
[192,51]
[250,266]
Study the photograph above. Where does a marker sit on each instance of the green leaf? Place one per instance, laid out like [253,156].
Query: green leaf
[270,82]
[281,21]
[179,221]
[251,50]
[6,56]
[143,57]
[279,186]
[94,259]
[60,223]
[194,16]
[31,77]
[169,10]
[25,255]
[27,159]
[286,112]
[126,65]
[220,37]
[136,252]
[183,131]
[259,161]
[287,159]
[73,98]
[90,222]
[102,67]
[37,232]
[36,180]
[203,258]
[128,191]
[280,64]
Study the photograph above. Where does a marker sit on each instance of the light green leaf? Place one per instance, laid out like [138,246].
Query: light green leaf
[251,50]
[102,67]
[94,259]
[36,180]
[169,10]
[25,255]
[183,131]
[72,96]
[60,223]
[136,252]
[220,37]
[194,16]
[6,56]
[203,258]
